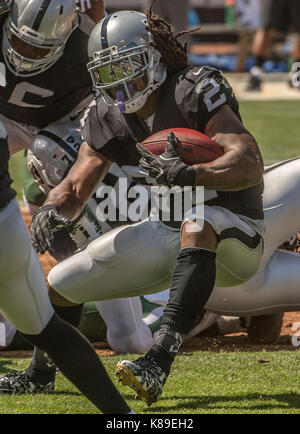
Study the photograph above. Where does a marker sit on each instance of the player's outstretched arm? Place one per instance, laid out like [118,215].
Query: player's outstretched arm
[241,166]
[66,201]
[74,191]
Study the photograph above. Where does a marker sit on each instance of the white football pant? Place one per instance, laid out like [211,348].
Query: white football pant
[24,300]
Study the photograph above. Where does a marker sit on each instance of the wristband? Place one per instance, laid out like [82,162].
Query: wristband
[186,176]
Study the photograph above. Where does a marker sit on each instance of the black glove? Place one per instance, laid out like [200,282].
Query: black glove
[167,168]
[44,222]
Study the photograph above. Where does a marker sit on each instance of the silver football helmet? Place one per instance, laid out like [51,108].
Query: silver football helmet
[52,153]
[120,50]
[43,24]
[4,5]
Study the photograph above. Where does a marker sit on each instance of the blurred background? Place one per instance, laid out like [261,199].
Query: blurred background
[255,43]
[227,31]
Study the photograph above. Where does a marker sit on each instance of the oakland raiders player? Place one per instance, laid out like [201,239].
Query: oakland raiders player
[137,80]
[43,65]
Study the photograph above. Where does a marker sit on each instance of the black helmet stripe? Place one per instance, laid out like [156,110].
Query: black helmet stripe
[104,41]
[40,14]
[64,145]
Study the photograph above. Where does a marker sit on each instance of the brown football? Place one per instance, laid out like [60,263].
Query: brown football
[193,147]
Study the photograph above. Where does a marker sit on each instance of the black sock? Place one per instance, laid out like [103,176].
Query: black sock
[192,283]
[70,314]
[77,360]
[167,345]
[41,368]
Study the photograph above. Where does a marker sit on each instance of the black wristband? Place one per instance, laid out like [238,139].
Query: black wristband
[186,176]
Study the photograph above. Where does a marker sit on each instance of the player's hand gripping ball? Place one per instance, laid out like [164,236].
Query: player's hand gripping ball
[44,223]
[163,168]
[168,156]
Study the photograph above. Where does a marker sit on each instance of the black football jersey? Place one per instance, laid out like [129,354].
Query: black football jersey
[52,94]
[189,99]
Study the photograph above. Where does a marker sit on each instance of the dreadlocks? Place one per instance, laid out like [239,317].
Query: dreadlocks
[174,54]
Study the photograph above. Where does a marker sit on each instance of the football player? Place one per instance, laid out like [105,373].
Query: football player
[43,58]
[143,75]
[24,302]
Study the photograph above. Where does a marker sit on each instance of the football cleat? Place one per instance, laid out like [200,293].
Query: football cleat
[144,376]
[17,383]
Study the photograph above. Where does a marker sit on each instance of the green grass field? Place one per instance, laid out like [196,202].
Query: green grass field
[275,125]
[202,382]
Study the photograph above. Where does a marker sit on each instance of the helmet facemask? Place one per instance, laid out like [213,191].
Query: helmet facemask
[50,50]
[37,171]
[114,72]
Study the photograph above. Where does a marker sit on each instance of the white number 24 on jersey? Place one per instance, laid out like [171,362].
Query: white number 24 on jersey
[211,97]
